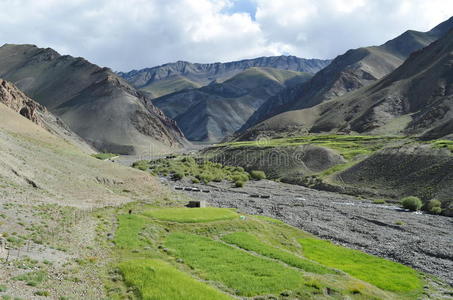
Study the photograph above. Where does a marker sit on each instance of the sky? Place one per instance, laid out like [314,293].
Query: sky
[134,34]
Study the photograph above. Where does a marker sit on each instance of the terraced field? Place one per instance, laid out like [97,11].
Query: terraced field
[215,253]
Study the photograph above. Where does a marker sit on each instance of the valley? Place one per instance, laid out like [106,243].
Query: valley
[217,164]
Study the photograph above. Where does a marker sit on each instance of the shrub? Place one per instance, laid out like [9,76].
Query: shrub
[195,180]
[258,175]
[433,203]
[436,210]
[178,176]
[239,183]
[411,203]
[206,178]
[240,177]
[379,201]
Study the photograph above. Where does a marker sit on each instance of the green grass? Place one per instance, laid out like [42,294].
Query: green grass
[270,220]
[349,146]
[247,274]
[156,279]
[192,215]
[128,231]
[251,243]
[380,272]
[443,144]
[104,156]
[33,278]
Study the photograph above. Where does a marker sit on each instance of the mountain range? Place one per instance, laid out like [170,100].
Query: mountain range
[348,72]
[94,102]
[212,112]
[415,99]
[173,77]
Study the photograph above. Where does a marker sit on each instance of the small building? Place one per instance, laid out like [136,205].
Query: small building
[196,204]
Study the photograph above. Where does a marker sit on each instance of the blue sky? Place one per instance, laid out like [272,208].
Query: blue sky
[242,6]
[133,34]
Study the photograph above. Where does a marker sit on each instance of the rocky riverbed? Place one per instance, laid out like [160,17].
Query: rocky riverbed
[422,241]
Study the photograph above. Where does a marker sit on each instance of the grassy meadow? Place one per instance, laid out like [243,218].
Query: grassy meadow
[372,269]
[211,253]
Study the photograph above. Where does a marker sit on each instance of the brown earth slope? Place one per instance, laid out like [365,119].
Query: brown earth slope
[12,97]
[94,102]
[415,99]
[348,72]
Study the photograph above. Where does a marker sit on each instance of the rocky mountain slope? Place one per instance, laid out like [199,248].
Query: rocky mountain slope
[94,102]
[415,99]
[212,112]
[348,72]
[13,98]
[173,77]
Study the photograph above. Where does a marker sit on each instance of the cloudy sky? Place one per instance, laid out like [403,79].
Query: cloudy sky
[132,34]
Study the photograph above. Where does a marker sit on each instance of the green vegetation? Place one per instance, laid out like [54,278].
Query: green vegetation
[239,183]
[2,288]
[434,206]
[159,280]
[447,144]
[192,215]
[104,156]
[249,242]
[411,203]
[128,230]
[257,175]
[33,278]
[349,146]
[245,273]
[379,201]
[211,253]
[382,273]
[204,171]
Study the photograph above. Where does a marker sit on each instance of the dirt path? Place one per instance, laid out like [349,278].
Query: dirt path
[423,241]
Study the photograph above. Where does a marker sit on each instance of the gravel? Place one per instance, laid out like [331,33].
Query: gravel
[423,241]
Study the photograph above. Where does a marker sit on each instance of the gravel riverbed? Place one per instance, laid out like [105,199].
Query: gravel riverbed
[422,241]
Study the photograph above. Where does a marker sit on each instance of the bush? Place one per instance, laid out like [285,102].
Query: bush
[258,175]
[178,176]
[195,180]
[239,183]
[206,178]
[433,203]
[436,210]
[240,177]
[412,203]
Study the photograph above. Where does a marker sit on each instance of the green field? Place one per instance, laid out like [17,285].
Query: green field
[349,146]
[211,253]
[128,230]
[245,273]
[382,273]
[192,215]
[249,242]
[158,280]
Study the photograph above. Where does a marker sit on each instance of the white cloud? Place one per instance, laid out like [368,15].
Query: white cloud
[139,33]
